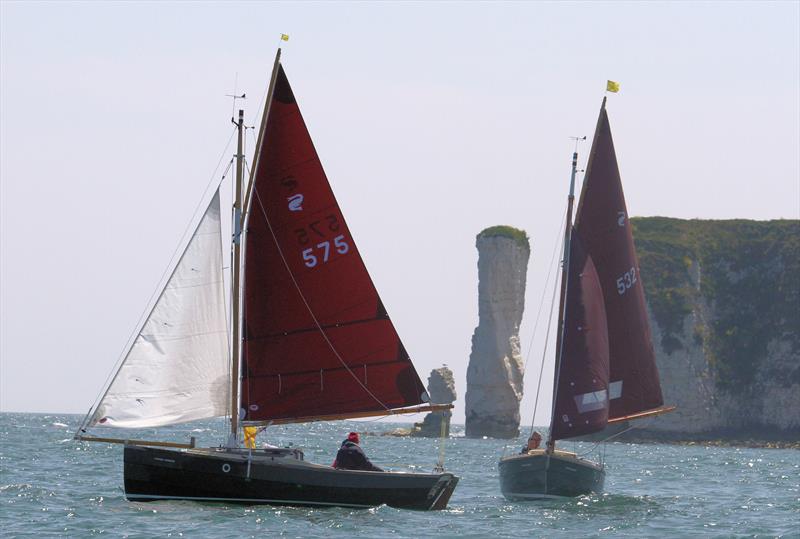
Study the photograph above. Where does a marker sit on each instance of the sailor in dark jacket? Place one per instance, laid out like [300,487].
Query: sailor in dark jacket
[352,457]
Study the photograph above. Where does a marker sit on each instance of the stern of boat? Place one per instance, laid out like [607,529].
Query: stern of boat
[538,475]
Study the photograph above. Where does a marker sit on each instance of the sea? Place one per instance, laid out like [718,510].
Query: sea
[53,486]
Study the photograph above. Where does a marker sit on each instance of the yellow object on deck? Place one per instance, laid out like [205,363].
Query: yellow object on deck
[250,437]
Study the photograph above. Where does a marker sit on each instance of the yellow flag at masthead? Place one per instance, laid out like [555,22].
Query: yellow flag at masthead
[284,37]
[612,86]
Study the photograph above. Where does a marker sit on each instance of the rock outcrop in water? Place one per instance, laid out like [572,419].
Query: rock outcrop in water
[494,376]
[442,390]
[724,303]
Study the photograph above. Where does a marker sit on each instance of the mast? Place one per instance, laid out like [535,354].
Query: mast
[236,270]
[562,303]
[239,227]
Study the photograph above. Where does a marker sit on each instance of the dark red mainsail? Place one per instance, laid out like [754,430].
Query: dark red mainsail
[581,404]
[317,339]
[603,225]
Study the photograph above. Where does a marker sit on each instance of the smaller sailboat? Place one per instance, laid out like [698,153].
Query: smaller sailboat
[605,369]
[311,341]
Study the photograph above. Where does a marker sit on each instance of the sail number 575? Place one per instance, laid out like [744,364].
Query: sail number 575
[322,252]
[626,281]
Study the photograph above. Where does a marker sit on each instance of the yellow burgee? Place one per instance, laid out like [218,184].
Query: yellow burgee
[284,37]
[612,86]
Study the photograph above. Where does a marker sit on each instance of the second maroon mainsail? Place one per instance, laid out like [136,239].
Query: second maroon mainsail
[317,340]
[581,404]
[603,225]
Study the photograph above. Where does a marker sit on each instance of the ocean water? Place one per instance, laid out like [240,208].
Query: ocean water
[51,486]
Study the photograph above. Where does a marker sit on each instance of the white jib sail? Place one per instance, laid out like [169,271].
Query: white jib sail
[177,368]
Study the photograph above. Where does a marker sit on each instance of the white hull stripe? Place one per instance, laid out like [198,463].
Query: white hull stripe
[251,500]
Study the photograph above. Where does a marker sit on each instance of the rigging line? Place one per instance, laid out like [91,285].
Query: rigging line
[546,342]
[374,419]
[261,103]
[442,442]
[536,323]
[544,291]
[148,308]
[603,441]
[228,306]
[308,307]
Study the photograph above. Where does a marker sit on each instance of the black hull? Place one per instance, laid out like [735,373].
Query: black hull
[275,477]
[537,475]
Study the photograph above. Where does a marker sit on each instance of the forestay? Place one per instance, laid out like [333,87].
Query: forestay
[177,368]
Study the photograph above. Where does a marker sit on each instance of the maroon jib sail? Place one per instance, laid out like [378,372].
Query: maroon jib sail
[603,225]
[317,339]
[581,404]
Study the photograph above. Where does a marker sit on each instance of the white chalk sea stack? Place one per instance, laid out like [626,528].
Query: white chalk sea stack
[495,373]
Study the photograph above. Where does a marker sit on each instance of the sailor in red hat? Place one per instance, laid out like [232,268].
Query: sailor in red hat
[352,457]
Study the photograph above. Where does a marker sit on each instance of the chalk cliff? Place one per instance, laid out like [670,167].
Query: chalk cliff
[494,375]
[724,303]
[442,390]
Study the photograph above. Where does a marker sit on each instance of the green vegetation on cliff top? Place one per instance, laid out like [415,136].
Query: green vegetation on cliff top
[747,274]
[505,231]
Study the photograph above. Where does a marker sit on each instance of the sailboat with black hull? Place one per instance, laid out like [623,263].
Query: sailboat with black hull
[605,369]
[311,341]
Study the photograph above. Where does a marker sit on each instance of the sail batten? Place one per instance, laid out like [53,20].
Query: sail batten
[177,367]
[317,340]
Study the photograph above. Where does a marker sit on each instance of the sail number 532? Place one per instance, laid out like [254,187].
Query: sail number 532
[626,281]
[322,252]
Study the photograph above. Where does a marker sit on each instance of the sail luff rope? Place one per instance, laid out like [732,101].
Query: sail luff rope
[150,305]
[308,307]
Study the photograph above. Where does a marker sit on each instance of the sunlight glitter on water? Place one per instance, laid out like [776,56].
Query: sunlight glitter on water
[52,486]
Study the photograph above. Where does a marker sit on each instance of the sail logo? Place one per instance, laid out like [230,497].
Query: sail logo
[295,202]
[621,218]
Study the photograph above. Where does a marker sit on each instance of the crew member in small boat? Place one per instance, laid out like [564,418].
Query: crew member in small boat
[533,442]
[352,457]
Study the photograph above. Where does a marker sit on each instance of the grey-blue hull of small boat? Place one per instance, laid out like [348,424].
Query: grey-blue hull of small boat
[537,475]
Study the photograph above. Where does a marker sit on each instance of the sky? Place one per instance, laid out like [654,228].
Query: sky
[432,120]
